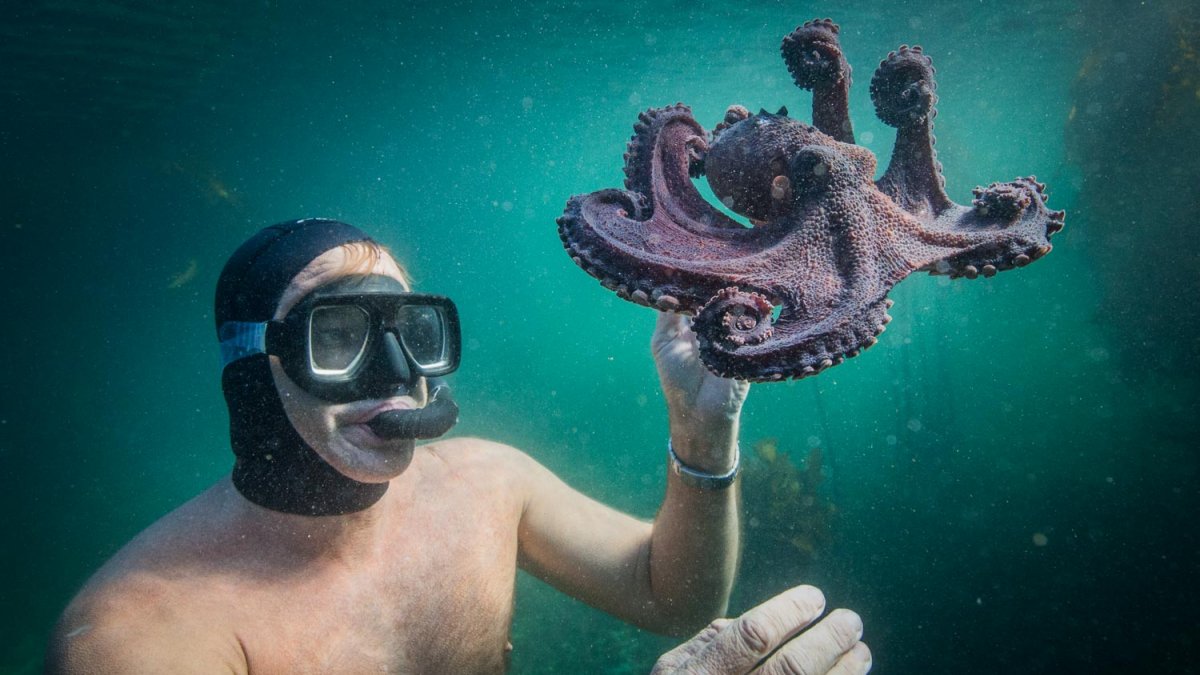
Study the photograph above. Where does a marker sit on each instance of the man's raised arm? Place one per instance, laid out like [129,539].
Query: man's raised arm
[673,575]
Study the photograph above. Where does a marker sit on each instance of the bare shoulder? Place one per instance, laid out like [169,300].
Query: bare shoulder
[137,622]
[156,606]
[469,452]
[487,466]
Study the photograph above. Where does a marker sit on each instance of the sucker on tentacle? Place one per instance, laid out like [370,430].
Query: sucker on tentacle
[806,287]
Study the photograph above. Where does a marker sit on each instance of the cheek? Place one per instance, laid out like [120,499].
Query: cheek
[309,416]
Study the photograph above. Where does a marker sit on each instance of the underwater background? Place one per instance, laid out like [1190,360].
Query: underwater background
[1007,483]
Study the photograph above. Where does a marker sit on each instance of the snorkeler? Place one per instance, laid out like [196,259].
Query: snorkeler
[339,545]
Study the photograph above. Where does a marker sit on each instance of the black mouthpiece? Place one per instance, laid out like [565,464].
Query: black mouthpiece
[435,419]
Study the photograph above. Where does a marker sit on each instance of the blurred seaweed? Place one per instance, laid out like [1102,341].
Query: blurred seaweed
[1136,104]
[789,522]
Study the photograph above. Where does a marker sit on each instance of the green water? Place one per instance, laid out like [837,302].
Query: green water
[1012,469]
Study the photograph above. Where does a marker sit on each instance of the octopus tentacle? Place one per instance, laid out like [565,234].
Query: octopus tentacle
[610,235]
[904,92]
[814,58]
[658,243]
[736,317]
[795,348]
[619,262]
[1008,226]
[659,161]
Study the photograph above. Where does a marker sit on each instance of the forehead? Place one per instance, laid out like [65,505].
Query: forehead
[330,265]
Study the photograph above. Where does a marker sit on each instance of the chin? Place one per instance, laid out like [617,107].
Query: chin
[376,464]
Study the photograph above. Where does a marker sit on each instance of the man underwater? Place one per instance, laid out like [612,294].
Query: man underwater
[338,545]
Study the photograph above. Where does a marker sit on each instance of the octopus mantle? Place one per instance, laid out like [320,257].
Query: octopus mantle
[806,286]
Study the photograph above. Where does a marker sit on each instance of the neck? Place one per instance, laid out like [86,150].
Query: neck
[292,478]
[350,536]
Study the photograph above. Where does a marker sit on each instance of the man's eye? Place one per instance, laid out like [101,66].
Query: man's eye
[333,336]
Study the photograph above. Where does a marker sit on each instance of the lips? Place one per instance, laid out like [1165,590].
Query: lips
[375,411]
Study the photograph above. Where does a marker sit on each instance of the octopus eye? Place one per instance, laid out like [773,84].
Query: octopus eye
[811,169]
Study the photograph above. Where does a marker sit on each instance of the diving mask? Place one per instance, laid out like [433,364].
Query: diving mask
[360,337]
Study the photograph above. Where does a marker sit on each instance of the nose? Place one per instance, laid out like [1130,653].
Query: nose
[397,362]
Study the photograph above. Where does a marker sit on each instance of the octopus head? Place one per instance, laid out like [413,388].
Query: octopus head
[767,166]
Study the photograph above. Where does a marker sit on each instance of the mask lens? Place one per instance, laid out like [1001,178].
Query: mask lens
[423,331]
[337,338]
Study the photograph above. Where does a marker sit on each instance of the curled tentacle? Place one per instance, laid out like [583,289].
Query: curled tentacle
[814,58]
[903,88]
[605,234]
[639,153]
[795,348]
[1007,199]
[904,92]
[1009,226]
[1004,201]
[735,317]
[666,147]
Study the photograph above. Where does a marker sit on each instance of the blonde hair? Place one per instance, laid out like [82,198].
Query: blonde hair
[362,256]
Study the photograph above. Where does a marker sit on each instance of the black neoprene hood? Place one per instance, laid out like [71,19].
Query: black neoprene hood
[275,467]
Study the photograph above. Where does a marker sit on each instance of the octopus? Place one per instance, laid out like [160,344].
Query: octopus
[804,285]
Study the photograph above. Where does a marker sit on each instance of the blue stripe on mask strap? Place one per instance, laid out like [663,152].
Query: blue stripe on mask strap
[240,339]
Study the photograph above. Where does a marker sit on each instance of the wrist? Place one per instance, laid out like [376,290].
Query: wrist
[710,449]
[700,479]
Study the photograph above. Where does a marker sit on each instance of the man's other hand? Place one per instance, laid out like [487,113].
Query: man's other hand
[778,637]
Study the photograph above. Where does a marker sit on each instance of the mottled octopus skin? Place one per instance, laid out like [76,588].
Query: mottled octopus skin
[828,242]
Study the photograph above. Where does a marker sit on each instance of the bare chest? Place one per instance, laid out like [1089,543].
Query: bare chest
[437,597]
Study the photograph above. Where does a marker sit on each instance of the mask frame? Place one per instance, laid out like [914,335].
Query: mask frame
[386,364]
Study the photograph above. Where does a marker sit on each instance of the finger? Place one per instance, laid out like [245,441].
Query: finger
[666,328]
[670,318]
[673,336]
[748,639]
[817,650]
[678,656]
[857,661]
[706,636]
